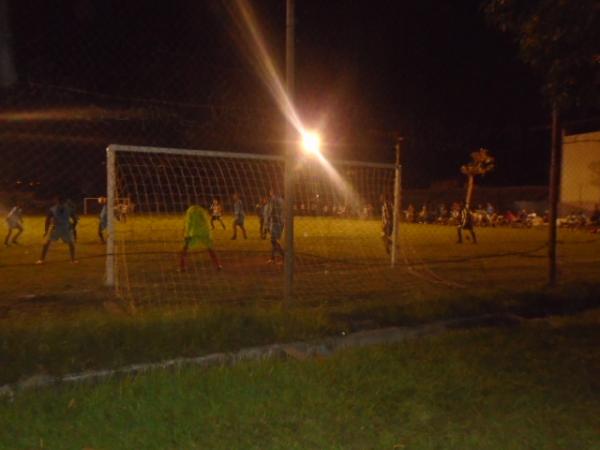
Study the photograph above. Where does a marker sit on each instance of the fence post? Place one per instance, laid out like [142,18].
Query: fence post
[290,150]
[397,203]
[553,193]
[110,214]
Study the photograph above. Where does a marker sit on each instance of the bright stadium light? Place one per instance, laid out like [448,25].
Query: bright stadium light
[311,142]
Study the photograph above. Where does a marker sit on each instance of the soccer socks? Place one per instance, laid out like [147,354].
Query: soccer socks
[215,259]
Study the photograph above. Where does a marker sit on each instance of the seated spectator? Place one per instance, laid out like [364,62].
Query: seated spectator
[410,213]
[423,214]
[510,218]
[595,216]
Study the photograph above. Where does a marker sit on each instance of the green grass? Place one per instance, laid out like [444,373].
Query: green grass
[57,318]
[92,340]
[337,259]
[534,387]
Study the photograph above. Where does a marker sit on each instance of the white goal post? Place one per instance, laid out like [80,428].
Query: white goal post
[337,211]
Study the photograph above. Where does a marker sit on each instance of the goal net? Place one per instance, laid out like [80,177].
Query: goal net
[339,250]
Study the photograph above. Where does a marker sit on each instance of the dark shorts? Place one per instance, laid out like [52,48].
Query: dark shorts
[64,234]
[276,231]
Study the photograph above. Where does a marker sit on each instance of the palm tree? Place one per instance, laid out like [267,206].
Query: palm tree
[481,163]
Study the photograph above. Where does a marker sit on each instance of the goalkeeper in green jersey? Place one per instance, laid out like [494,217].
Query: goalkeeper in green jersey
[196,232]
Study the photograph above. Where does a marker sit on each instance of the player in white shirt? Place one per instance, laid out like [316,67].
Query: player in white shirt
[14,221]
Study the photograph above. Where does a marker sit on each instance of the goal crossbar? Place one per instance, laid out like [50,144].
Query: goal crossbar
[233,155]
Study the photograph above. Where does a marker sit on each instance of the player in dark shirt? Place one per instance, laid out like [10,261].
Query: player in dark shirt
[466,223]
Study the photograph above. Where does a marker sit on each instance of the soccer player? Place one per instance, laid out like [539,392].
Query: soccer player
[102,219]
[196,231]
[274,213]
[58,226]
[261,212]
[466,223]
[238,216]
[14,221]
[74,218]
[121,211]
[216,210]
[387,222]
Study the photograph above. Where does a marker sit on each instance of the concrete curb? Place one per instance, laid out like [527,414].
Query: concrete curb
[297,350]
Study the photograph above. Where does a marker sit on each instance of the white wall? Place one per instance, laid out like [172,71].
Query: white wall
[580,185]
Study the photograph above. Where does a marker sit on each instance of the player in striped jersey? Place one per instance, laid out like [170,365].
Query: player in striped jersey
[466,223]
[216,210]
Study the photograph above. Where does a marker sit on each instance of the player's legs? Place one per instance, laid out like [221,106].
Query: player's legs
[244,231]
[235,224]
[215,258]
[387,243]
[183,256]
[45,248]
[387,237]
[72,251]
[276,249]
[212,222]
[222,223]
[100,233]
[7,239]
[74,230]
[459,231]
[472,231]
[16,236]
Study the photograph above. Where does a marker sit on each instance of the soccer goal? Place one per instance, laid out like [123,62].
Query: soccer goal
[337,207]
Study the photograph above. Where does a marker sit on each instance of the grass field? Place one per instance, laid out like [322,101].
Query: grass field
[58,318]
[533,387]
[337,259]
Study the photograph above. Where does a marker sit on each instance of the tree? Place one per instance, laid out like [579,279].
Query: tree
[481,163]
[560,39]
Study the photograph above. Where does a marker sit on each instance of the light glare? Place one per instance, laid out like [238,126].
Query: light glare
[311,142]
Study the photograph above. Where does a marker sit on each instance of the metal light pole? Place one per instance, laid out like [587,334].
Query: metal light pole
[290,159]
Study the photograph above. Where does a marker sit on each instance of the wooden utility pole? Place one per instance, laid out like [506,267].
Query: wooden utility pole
[555,152]
[397,202]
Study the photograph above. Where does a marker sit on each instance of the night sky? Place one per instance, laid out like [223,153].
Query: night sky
[432,71]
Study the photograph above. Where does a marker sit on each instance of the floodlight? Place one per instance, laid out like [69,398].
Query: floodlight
[311,142]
